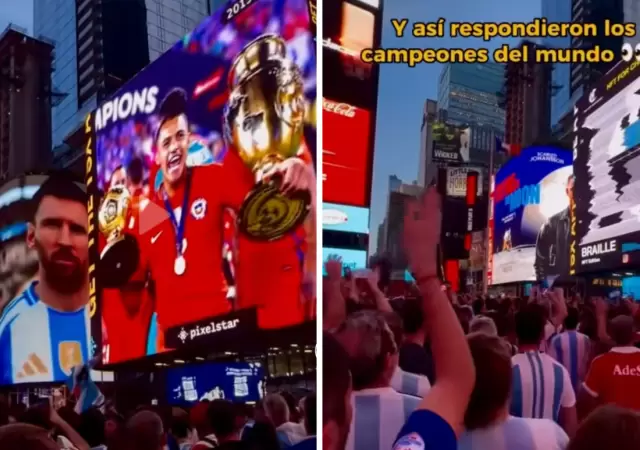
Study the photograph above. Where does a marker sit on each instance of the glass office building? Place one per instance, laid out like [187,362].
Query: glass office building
[561,103]
[470,93]
[63,22]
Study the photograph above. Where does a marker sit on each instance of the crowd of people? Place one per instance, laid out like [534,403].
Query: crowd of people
[277,422]
[436,370]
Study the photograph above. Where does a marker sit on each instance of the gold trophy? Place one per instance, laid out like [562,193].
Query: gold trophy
[264,120]
[119,258]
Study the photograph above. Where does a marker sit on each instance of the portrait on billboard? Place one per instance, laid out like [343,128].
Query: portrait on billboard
[530,233]
[206,177]
[450,143]
[45,312]
[607,149]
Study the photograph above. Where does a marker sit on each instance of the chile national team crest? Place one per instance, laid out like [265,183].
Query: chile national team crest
[199,208]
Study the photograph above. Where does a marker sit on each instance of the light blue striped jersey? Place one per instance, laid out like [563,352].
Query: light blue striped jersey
[516,434]
[40,344]
[410,383]
[573,350]
[378,417]
[540,386]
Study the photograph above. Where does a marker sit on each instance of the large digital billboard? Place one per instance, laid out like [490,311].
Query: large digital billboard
[236,382]
[605,224]
[349,219]
[202,182]
[530,234]
[346,155]
[44,303]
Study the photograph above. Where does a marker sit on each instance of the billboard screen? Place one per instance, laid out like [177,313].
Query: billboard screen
[201,173]
[352,259]
[44,300]
[346,156]
[531,216]
[236,382]
[605,226]
[345,218]
[457,181]
[451,144]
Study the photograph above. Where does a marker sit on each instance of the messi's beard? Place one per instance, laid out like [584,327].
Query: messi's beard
[61,279]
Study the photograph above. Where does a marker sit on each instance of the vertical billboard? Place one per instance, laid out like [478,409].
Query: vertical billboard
[202,182]
[605,226]
[530,234]
[457,181]
[451,144]
[44,304]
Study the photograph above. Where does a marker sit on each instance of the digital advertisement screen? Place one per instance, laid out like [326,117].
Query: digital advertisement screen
[196,234]
[346,153]
[457,181]
[530,233]
[351,259]
[44,303]
[606,225]
[236,382]
[450,143]
[345,218]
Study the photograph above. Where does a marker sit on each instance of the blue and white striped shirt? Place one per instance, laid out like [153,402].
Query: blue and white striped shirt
[378,416]
[410,383]
[573,350]
[39,343]
[516,434]
[540,386]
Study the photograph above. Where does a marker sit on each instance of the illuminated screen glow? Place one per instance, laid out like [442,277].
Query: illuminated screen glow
[346,218]
[352,259]
[530,201]
[182,138]
[236,382]
[41,341]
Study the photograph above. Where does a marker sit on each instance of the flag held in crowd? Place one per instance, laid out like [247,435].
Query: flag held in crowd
[84,390]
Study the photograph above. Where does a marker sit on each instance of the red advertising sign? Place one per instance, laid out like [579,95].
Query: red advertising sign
[345,153]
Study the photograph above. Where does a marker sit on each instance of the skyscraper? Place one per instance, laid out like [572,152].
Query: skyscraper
[100,44]
[469,94]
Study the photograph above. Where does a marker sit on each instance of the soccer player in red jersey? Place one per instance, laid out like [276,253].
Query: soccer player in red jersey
[180,230]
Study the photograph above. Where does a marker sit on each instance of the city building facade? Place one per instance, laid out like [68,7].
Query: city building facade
[26,97]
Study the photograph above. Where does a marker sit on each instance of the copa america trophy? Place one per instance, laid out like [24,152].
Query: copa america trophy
[264,120]
[120,257]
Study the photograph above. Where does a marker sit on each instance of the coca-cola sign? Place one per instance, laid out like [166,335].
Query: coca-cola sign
[346,153]
[343,109]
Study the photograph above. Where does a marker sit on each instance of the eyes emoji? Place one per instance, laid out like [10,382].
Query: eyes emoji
[628,52]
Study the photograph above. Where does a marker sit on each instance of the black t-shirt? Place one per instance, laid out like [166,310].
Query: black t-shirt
[234,445]
[415,358]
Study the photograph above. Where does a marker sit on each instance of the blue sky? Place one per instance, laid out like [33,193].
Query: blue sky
[18,12]
[403,90]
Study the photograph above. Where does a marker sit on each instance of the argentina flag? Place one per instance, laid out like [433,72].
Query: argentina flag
[84,390]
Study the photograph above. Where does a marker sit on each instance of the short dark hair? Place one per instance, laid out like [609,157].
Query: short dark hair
[59,187]
[118,167]
[310,417]
[572,319]
[91,427]
[394,322]
[621,329]
[530,322]
[135,170]
[412,315]
[180,426]
[336,379]
[608,427]
[173,105]
[492,360]
[222,418]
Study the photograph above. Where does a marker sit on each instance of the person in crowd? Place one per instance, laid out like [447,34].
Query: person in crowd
[92,428]
[415,353]
[608,427]
[373,356]
[26,437]
[59,300]
[145,431]
[541,386]
[278,413]
[182,432]
[572,349]
[404,382]
[222,421]
[45,416]
[337,410]
[309,420]
[438,420]
[614,377]
[200,421]
[483,324]
[488,424]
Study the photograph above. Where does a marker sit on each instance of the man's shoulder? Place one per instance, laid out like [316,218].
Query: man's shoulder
[18,308]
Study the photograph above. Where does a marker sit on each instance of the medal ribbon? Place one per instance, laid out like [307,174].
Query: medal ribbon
[179,227]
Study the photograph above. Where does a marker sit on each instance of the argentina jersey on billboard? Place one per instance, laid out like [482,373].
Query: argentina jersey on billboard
[531,216]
